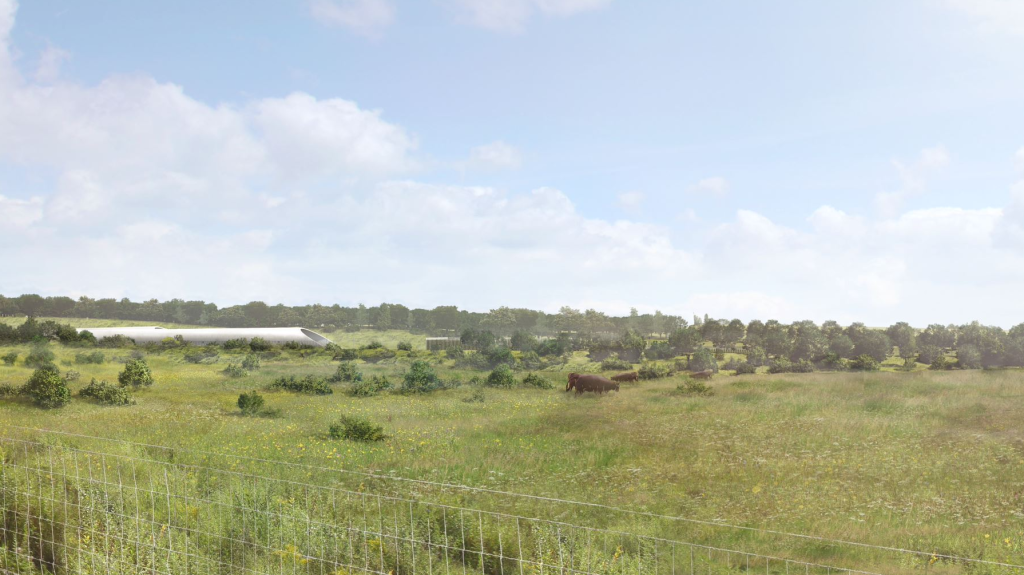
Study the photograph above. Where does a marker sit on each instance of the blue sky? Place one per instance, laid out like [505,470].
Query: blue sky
[848,160]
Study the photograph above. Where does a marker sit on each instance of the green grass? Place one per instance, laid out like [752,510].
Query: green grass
[924,460]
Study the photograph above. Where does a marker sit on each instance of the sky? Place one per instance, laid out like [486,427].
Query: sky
[850,160]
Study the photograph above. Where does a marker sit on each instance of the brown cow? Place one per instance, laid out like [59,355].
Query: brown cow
[706,374]
[595,383]
[627,376]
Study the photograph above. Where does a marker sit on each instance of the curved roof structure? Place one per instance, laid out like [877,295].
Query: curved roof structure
[156,334]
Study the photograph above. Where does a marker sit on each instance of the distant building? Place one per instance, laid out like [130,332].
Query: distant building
[219,335]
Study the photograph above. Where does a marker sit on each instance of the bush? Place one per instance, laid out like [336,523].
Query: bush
[551,347]
[250,403]
[756,356]
[694,387]
[502,376]
[745,369]
[475,360]
[95,357]
[48,389]
[72,375]
[612,362]
[116,341]
[346,355]
[10,358]
[534,380]
[207,356]
[346,372]
[941,363]
[967,357]
[783,365]
[107,394]
[455,353]
[702,360]
[39,357]
[929,353]
[310,384]
[531,360]
[477,396]
[259,344]
[499,355]
[251,362]
[136,373]
[404,346]
[833,361]
[373,386]
[421,379]
[375,354]
[373,345]
[235,370]
[357,429]
[240,343]
[864,362]
[7,389]
[660,350]
[653,370]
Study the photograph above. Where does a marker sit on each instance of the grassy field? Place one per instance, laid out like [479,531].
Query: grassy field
[924,460]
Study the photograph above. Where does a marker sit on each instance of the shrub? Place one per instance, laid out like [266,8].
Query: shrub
[941,363]
[455,353]
[375,354]
[235,370]
[551,347]
[534,380]
[251,362]
[756,356]
[7,389]
[421,378]
[502,376]
[929,353]
[357,429]
[10,358]
[206,356]
[346,372]
[694,387]
[653,370]
[258,344]
[531,360]
[87,358]
[72,375]
[240,343]
[833,361]
[374,344]
[107,394]
[660,350]
[404,346]
[476,360]
[745,368]
[136,373]
[116,341]
[476,397]
[802,366]
[250,403]
[48,389]
[346,354]
[864,362]
[499,355]
[702,359]
[612,362]
[310,384]
[967,357]
[370,387]
[39,357]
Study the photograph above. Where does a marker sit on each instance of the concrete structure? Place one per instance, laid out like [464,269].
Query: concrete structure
[218,335]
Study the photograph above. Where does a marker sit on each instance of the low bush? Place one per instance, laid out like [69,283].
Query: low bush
[47,388]
[476,360]
[404,346]
[745,368]
[551,347]
[477,396]
[502,376]
[375,354]
[296,346]
[205,356]
[370,387]
[259,344]
[251,403]
[756,356]
[864,362]
[95,357]
[10,358]
[8,390]
[732,364]
[72,375]
[499,355]
[346,373]
[116,341]
[240,343]
[967,357]
[694,387]
[356,429]
[613,363]
[941,363]
[929,353]
[832,361]
[783,365]
[653,370]
[534,380]
[251,362]
[346,354]
[421,378]
[455,353]
[702,360]
[310,385]
[530,360]
[374,344]
[107,394]
[659,350]
[235,370]
[136,373]
[39,357]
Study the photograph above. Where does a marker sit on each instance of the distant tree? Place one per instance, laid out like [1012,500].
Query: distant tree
[756,356]
[928,353]
[523,341]
[713,331]
[502,321]
[968,357]
[568,319]
[446,317]
[904,337]
[873,343]
[809,344]
[633,340]
[776,339]
[841,345]
[831,329]
[755,333]
[30,304]
[685,340]
[703,359]
[734,331]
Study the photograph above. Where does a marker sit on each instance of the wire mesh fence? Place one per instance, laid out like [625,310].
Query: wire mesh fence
[72,509]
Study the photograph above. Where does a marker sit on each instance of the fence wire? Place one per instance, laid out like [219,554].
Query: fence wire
[71,510]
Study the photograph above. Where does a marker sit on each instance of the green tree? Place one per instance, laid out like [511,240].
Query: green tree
[136,373]
[702,360]
[873,343]
[250,403]
[734,332]
[904,337]
[686,340]
[841,345]
[47,388]
[502,321]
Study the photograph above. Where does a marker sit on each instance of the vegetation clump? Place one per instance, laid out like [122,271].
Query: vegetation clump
[613,363]
[199,357]
[7,389]
[251,362]
[10,358]
[653,370]
[534,380]
[694,387]
[370,387]
[258,344]
[703,360]
[239,343]
[421,378]
[235,370]
[745,368]
[346,373]
[136,373]
[251,403]
[356,429]
[310,385]
[502,376]
[404,346]
[95,357]
[40,356]
[107,394]
[72,375]
[864,362]
[116,341]
[47,388]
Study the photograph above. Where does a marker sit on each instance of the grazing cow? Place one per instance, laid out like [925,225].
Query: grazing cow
[627,376]
[595,383]
[706,374]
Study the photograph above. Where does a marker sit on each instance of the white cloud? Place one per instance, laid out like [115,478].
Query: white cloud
[631,201]
[15,213]
[512,15]
[50,62]
[716,186]
[366,17]
[1020,159]
[913,180]
[496,155]
[688,215]
[1004,16]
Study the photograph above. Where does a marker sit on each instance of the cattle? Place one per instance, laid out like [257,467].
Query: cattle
[595,383]
[627,376]
[706,374]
